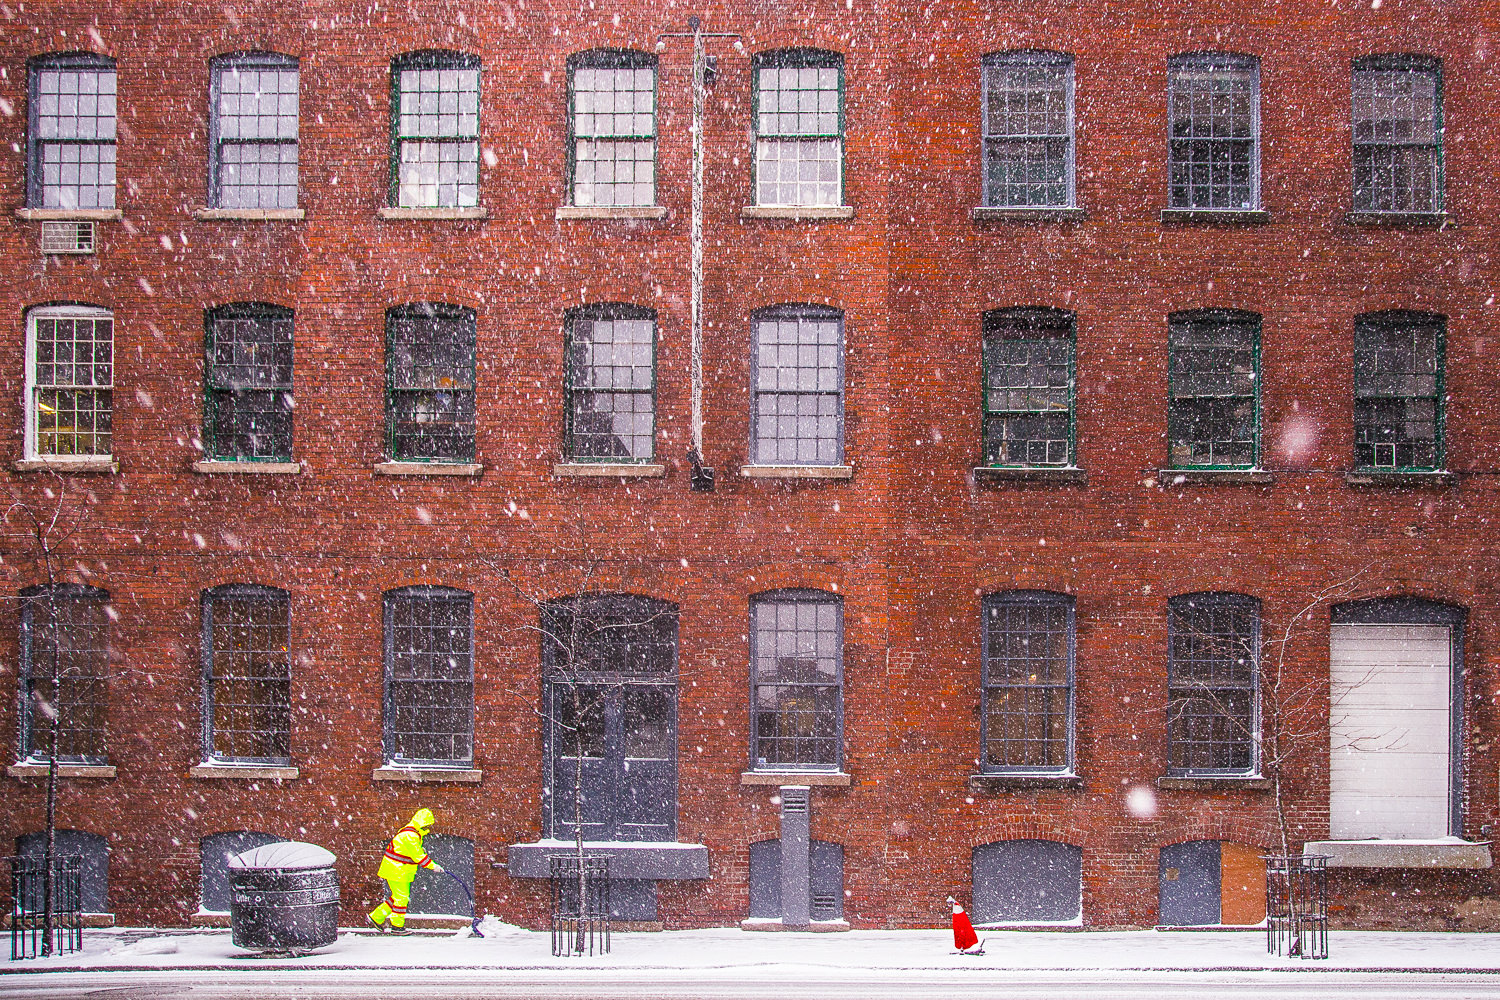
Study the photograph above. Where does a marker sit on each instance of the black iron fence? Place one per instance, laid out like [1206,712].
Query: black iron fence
[580,904]
[1297,905]
[28,916]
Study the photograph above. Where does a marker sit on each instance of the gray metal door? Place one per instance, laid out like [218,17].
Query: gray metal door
[1190,884]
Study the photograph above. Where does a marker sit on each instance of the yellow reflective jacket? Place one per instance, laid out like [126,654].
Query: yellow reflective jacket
[403,856]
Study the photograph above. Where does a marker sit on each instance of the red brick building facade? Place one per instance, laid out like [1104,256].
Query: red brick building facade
[1315,215]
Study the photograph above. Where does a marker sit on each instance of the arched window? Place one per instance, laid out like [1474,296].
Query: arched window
[1027,694]
[247,383]
[64,673]
[1028,388]
[1213,389]
[1213,141]
[435,130]
[1027,125]
[71,132]
[429,677]
[611,384]
[611,128]
[797,386]
[799,128]
[1027,882]
[1213,678]
[429,368]
[1399,365]
[796,681]
[247,674]
[252,131]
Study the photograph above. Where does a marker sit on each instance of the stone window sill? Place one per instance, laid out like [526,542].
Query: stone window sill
[1059,475]
[32,770]
[428,469]
[68,464]
[797,471]
[1413,480]
[1450,852]
[393,213]
[1401,220]
[1006,213]
[69,214]
[249,468]
[807,212]
[1022,782]
[617,470]
[1214,783]
[832,779]
[1216,216]
[244,772]
[459,775]
[612,212]
[249,214]
[206,918]
[776,924]
[1214,477]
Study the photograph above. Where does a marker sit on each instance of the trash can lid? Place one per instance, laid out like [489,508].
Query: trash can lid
[286,855]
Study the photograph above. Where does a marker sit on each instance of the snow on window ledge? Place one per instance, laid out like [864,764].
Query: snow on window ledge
[249,214]
[68,464]
[617,470]
[243,772]
[810,212]
[216,467]
[797,471]
[428,469]
[69,214]
[612,212]
[1437,852]
[462,775]
[38,769]
[779,778]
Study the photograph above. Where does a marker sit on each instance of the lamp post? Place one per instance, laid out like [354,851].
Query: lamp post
[703,477]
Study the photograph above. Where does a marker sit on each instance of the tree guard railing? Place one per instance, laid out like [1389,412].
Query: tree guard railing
[1297,905]
[29,937]
[580,904]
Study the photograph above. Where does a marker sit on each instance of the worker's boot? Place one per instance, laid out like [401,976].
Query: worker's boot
[400,930]
[379,925]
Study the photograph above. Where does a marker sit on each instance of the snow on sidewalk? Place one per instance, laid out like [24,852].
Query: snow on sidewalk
[731,952]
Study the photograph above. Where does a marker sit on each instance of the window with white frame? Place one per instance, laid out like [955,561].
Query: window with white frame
[71,132]
[435,130]
[69,382]
[799,128]
[611,384]
[1213,148]
[797,386]
[64,673]
[252,131]
[1398,134]
[797,681]
[247,674]
[1028,129]
[612,122]
[1213,676]
[429,677]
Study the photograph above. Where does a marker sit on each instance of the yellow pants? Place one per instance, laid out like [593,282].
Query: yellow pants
[394,907]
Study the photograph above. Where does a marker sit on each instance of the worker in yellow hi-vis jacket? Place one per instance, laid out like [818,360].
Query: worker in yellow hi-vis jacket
[403,856]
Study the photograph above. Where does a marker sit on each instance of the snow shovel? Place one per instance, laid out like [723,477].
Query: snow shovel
[473,916]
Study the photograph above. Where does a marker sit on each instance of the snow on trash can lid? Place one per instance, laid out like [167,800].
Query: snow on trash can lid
[288,855]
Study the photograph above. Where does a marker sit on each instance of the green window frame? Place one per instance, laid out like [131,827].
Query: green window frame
[247,383]
[1213,389]
[435,130]
[1396,106]
[430,377]
[1029,412]
[610,384]
[799,123]
[612,105]
[1399,411]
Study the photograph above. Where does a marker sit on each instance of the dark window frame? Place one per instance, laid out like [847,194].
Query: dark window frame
[1414,64]
[35,144]
[466,321]
[27,733]
[1027,59]
[989,688]
[778,313]
[1180,415]
[391,737]
[798,596]
[216,389]
[572,390]
[434,59]
[1387,321]
[609,58]
[250,60]
[1211,63]
[796,58]
[1179,688]
[1010,325]
[215,672]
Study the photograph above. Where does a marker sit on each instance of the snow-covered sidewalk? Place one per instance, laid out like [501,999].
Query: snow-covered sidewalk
[731,952]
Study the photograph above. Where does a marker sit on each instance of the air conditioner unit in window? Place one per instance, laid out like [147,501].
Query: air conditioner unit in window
[67,237]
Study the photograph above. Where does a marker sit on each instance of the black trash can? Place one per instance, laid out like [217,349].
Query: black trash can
[285,898]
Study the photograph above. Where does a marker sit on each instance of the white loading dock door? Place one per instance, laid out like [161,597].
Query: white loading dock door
[1389,719]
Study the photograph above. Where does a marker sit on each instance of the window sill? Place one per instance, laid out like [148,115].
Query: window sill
[245,772]
[811,927]
[1215,216]
[809,212]
[32,770]
[69,214]
[393,213]
[208,918]
[616,470]
[428,469]
[249,214]
[1021,782]
[1056,475]
[215,467]
[1413,480]
[1450,852]
[612,212]
[645,859]
[830,779]
[68,464]
[459,775]
[1214,477]
[1005,213]
[1401,220]
[797,471]
[1214,783]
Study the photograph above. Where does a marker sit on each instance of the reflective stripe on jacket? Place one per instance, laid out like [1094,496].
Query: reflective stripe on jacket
[403,856]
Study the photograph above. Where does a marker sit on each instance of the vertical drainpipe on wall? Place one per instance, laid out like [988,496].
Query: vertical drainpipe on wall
[796,873]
